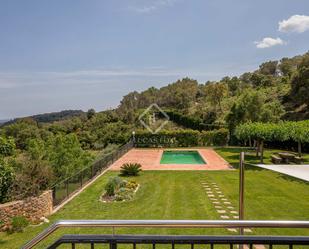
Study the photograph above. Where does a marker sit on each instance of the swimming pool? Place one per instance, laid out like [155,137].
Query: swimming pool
[181,157]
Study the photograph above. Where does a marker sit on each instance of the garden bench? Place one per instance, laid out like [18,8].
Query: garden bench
[276,159]
[297,160]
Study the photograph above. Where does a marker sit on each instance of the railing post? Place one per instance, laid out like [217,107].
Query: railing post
[241,190]
[113,244]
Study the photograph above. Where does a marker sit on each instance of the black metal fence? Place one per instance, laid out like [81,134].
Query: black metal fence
[151,241]
[64,189]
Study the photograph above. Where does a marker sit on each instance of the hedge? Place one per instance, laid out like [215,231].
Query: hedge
[182,138]
[190,122]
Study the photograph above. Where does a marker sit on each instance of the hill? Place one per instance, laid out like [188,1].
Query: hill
[48,117]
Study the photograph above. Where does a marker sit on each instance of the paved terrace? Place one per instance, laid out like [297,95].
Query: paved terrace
[150,160]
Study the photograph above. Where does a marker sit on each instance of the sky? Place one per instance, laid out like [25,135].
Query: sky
[78,54]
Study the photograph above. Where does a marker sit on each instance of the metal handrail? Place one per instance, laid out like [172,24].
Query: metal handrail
[165,224]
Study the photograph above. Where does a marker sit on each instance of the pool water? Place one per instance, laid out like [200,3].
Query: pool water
[181,157]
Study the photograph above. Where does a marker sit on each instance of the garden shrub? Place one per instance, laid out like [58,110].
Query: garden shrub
[7,146]
[218,137]
[6,180]
[18,224]
[113,184]
[119,190]
[130,169]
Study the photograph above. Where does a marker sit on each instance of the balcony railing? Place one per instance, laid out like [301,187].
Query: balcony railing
[114,240]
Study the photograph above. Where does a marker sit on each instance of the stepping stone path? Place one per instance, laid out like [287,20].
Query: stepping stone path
[223,206]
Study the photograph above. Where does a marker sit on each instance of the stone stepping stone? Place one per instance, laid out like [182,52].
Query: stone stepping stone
[216,202]
[220,193]
[213,199]
[211,195]
[236,217]
[218,207]
[248,230]
[223,199]
[227,202]
[230,207]
[234,212]
[221,211]
[232,230]
[224,217]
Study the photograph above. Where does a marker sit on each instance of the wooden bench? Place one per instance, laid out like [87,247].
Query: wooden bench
[297,160]
[276,159]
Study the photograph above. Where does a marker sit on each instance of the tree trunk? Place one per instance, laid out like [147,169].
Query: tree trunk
[250,142]
[299,148]
[257,147]
[262,151]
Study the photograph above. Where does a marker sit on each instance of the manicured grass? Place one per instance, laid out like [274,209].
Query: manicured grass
[180,195]
[231,154]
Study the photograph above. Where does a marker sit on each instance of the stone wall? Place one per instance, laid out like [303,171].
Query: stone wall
[33,208]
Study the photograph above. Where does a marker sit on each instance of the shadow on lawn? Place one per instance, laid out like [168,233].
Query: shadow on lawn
[292,179]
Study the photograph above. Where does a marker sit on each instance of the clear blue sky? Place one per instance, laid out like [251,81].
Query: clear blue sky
[78,54]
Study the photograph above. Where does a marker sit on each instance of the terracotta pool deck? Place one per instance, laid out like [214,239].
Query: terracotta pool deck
[150,160]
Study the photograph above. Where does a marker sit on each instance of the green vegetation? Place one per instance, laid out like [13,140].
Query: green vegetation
[283,131]
[18,224]
[231,154]
[39,151]
[182,138]
[6,180]
[7,146]
[166,195]
[130,169]
[117,189]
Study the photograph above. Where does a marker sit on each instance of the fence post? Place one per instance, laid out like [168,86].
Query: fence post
[92,171]
[67,187]
[81,178]
[241,190]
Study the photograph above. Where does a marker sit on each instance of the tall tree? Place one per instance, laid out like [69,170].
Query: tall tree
[300,82]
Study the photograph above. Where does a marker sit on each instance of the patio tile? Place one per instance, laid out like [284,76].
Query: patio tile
[150,160]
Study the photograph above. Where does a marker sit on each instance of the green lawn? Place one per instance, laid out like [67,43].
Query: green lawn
[179,195]
[231,154]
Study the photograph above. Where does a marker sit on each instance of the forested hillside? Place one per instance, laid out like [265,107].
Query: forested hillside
[277,90]
[38,151]
[49,117]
